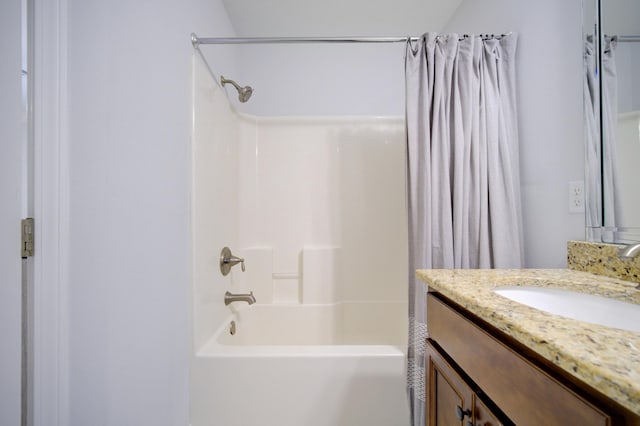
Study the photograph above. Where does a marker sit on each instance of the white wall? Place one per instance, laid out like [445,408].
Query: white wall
[620,17]
[129,123]
[11,142]
[627,57]
[549,70]
[337,17]
[628,152]
[322,79]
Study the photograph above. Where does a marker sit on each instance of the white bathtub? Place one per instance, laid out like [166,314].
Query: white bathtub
[311,365]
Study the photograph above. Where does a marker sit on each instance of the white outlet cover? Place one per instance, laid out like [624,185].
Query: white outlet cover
[576,196]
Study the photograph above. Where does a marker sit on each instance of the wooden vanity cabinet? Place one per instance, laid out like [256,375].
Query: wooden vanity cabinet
[454,400]
[467,362]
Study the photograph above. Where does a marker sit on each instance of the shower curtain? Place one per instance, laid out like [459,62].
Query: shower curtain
[605,170]
[610,196]
[463,171]
[591,104]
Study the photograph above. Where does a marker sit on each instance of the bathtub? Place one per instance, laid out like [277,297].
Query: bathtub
[311,365]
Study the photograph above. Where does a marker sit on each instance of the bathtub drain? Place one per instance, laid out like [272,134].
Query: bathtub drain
[232,328]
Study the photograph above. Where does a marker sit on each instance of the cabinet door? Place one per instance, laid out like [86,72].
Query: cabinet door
[483,415]
[450,400]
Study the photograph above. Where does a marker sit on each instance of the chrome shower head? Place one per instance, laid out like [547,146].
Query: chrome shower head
[244,93]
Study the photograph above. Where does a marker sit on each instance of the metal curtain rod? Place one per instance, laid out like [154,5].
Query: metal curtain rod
[628,38]
[196,41]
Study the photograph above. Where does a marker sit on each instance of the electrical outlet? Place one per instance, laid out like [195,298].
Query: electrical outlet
[576,196]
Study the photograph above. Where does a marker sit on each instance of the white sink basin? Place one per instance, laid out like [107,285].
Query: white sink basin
[579,306]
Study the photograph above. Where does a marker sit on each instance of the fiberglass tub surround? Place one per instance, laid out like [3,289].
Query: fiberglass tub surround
[311,205]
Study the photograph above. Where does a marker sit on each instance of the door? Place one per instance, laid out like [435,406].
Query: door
[483,415]
[12,144]
[452,401]
[450,398]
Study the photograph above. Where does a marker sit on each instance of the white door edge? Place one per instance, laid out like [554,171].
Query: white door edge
[51,214]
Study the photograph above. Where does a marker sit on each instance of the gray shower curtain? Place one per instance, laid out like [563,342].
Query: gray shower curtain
[463,170]
[591,105]
[605,169]
[609,81]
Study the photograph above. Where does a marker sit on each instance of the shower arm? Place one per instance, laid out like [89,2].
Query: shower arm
[225,81]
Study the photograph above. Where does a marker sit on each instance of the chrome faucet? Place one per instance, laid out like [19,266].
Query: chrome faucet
[628,252]
[230,298]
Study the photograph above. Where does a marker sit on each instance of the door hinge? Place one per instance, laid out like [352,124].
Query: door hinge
[27,237]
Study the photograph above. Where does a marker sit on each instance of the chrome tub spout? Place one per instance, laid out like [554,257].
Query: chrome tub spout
[230,298]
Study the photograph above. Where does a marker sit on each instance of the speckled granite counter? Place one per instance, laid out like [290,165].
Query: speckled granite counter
[607,359]
[602,259]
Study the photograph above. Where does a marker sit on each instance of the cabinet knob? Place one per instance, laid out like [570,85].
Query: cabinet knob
[460,413]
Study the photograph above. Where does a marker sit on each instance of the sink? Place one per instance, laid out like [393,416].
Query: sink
[579,306]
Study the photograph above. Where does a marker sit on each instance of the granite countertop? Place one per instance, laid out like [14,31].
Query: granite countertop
[607,359]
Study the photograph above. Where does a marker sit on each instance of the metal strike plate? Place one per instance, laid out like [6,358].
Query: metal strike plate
[27,237]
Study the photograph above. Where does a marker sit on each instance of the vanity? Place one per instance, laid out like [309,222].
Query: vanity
[490,360]
[493,361]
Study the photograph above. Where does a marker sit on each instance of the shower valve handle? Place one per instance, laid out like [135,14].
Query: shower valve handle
[233,260]
[227,260]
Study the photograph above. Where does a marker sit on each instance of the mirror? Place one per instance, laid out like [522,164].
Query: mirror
[612,119]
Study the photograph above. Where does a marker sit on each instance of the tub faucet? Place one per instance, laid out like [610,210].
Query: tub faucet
[230,298]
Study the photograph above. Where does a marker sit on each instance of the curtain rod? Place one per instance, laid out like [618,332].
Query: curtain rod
[197,41]
[628,38]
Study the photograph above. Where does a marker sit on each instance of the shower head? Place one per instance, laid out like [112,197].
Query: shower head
[244,93]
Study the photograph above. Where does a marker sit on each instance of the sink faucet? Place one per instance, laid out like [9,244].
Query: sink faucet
[230,298]
[628,252]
